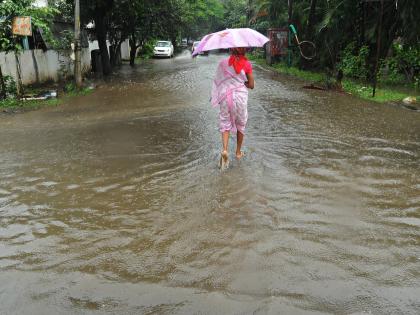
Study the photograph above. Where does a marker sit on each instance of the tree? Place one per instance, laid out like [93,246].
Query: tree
[235,13]
[99,11]
[41,18]
[200,17]
[336,24]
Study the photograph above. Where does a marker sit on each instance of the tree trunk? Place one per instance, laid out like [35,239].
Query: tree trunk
[112,56]
[309,30]
[362,21]
[289,11]
[311,20]
[390,25]
[2,86]
[133,50]
[101,36]
[19,85]
[378,47]
[115,54]
[118,53]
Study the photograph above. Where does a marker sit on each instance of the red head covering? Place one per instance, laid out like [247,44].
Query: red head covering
[238,62]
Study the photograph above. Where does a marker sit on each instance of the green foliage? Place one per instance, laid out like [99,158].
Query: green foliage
[402,66]
[147,49]
[66,39]
[382,94]
[256,54]
[354,62]
[199,17]
[41,18]
[10,85]
[70,87]
[306,75]
[235,13]
[353,87]
[19,105]
[345,33]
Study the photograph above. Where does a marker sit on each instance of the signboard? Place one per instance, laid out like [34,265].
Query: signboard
[22,26]
[278,41]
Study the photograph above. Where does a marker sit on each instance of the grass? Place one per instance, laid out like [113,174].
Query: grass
[360,89]
[13,104]
[382,94]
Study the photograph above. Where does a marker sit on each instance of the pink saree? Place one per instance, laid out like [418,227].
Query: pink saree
[231,95]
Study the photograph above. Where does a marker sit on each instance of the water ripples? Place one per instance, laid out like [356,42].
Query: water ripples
[321,216]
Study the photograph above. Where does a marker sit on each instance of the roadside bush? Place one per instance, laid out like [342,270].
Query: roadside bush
[257,53]
[70,87]
[146,50]
[10,85]
[403,66]
[354,62]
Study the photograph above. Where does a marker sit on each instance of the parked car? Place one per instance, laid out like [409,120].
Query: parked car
[184,43]
[163,49]
[194,46]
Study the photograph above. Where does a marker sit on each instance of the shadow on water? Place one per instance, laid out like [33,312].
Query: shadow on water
[114,202]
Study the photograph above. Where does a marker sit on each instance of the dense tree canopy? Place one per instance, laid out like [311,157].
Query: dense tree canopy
[349,33]
[346,33]
[9,9]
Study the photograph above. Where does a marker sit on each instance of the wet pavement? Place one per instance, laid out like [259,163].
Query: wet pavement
[113,203]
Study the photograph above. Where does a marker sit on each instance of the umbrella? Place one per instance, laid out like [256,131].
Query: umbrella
[230,38]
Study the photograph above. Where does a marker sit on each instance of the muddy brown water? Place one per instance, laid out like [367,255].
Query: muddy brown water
[113,203]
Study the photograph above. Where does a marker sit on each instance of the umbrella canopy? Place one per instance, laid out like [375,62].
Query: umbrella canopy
[231,38]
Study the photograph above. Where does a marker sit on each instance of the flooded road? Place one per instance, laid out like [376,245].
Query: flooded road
[113,203]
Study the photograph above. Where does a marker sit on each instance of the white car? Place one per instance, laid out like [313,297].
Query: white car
[163,49]
[195,45]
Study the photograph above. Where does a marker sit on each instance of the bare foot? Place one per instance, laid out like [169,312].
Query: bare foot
[239,155]
[224,159]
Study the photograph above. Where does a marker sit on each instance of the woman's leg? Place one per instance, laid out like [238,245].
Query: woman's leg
[240,121]
[225,141]
[224,157]
[239,140]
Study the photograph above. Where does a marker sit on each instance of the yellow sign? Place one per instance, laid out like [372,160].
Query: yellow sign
[22,26]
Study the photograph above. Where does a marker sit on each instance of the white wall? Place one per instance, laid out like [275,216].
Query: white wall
[125,48]
[38,66]
[94,45]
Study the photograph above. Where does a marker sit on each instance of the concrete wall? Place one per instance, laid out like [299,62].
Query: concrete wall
[94,45]
[125,48]
[38,66]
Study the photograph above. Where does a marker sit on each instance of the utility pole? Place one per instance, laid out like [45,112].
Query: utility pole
[77,46]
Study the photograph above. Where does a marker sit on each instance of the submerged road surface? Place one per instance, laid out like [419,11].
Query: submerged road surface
[113,203]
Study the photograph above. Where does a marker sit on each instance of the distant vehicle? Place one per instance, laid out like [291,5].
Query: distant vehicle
[184,43]
[163,49]
[194,46]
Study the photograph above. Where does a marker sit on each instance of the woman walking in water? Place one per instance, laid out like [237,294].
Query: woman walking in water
[230,92]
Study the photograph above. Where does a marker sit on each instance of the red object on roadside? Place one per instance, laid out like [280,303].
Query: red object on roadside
[278,41]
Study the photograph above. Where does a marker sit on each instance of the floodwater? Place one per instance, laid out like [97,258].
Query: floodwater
[113,203]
